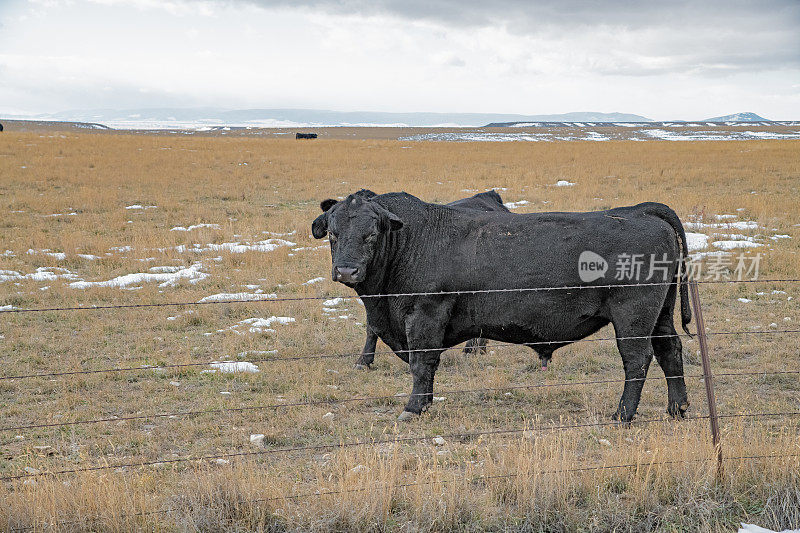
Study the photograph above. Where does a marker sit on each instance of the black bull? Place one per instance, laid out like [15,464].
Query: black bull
[394,244]
[484,201]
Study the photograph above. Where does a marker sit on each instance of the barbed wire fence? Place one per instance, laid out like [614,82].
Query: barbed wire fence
[707,376]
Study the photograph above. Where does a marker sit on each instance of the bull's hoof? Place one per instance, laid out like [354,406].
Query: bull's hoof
[405,416]
[678,411]
[622,419]
[361,366]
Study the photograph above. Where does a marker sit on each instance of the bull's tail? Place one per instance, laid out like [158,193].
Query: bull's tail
[682,277]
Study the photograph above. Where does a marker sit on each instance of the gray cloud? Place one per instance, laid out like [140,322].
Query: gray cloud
[714,37]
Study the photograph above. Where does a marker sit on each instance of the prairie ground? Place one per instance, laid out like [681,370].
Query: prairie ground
[78,209]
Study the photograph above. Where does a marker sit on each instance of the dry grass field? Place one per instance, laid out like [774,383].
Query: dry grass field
[70,193]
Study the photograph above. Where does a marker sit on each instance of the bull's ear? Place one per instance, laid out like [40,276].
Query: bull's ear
[394,222]
[389,221]
[319,228]
[327,204]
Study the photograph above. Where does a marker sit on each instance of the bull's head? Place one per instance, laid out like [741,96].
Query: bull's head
[356,225]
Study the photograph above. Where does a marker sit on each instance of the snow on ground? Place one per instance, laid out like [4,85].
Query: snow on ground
[46,251]
[230,367]
[260,325]
[332,302]
[195,226]
[170,269]
[313,281]
[730,245]
[236,297]
[696,241]
[738,225]
[564,183]
[137,206]
[236,247]
[164,279]
[514,205]
[41,274]
[751,528]
[716,135]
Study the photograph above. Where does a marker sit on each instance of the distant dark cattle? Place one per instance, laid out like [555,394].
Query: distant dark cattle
[396,244]
[1,127]
[481,202]
[305,136]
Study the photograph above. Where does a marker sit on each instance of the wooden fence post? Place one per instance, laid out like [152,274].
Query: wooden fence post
[707,376]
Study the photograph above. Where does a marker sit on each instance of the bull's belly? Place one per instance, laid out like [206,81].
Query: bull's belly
[531,329]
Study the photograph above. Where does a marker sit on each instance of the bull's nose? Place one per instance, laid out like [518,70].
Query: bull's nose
[345,274]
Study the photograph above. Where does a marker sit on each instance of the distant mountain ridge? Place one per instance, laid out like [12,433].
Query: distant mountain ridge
[748,116]
[318,117]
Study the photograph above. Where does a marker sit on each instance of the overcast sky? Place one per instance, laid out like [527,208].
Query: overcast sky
[664,60]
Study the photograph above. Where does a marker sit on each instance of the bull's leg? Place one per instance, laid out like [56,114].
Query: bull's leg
[636,357]
[423,367]
[368,353]
[667,348]
[545,354]
[425,334]
[475,346]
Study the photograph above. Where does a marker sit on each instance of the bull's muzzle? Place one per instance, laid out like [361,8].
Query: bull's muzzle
[346,274]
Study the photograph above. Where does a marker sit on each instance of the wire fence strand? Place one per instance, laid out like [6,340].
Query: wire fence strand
[409,485]
[274,299]
[335,401]
[377,442]
[409,351]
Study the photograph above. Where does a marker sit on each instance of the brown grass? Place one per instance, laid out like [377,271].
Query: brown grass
[203,180]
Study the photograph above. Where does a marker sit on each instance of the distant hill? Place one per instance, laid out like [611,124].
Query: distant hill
[186,117]
[738,117]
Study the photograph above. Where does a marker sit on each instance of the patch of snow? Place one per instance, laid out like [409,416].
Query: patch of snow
[165,268]
[195,226]
[514,205]
[236,297]
[165,279]
[730,245]
[740,225]
[564,183]
[41,274]
[696,241]
[744,300]
[313,281]
[752,528]
[236,247]
[332,302]
[230,367]
[137,206]
[121,249]
[88,257]
[58,255]
[262,325]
